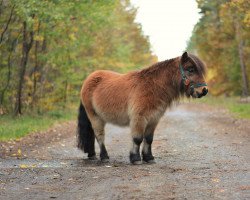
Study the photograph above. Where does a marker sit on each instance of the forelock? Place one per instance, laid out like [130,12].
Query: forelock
[200,65]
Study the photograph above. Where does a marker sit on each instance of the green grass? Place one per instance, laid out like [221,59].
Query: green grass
[14,128]
[233,104]
[17,127]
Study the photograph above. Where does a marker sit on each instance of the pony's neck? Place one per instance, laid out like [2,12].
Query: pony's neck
[166,76]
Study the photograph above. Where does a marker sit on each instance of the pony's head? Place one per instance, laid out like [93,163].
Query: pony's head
[192,71]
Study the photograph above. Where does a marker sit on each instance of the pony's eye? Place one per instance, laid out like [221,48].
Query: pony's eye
[191,69]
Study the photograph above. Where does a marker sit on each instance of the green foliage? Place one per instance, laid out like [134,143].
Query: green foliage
[241,110]
[221,33]
[71,39]
[233,104]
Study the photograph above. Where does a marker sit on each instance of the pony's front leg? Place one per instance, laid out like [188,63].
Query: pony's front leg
[147,144]
[137,130]
[98,127]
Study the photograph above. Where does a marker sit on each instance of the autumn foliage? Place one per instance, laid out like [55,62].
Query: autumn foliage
[222,39]
[48,47]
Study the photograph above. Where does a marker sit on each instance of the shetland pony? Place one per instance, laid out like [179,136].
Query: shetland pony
[137,99]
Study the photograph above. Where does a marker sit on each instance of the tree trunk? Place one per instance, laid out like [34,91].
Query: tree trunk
[1,7]
[8,79]
[7,24]
[27,44]
[245,88]
[65,93]
[35,70]
[9,64]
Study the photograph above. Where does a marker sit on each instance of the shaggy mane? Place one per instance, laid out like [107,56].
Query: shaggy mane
[156,67]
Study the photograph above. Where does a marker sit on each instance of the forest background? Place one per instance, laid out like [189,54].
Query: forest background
[48,47]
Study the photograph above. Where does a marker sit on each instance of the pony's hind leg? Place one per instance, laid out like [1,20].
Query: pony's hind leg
[137,130]
[147,142]
[98,127]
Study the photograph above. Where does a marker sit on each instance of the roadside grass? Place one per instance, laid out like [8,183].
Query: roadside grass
[233,104]
[17,127]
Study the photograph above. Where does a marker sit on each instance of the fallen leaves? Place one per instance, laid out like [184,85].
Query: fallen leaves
[25,166]
[19,152]
[244,187]
[216,180]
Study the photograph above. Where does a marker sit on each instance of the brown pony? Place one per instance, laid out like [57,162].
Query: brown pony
[137,99]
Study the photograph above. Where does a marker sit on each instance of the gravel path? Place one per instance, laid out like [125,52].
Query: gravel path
[201,153]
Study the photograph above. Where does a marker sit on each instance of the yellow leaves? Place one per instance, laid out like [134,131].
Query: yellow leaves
[212,72]
[36,24]
[19,152]
[39,38]
[25,166]
[246,20]
[72,37]
[239,6]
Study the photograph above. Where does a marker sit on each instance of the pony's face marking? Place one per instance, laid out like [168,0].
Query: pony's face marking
[194,72]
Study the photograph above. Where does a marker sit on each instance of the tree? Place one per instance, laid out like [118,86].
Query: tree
[48,47]
[221,38]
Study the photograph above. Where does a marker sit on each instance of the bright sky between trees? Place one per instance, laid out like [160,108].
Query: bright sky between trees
[168,23]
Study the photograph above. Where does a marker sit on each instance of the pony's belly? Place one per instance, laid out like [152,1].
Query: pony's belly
[121,119]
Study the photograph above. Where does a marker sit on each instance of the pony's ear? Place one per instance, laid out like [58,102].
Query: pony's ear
[184,57]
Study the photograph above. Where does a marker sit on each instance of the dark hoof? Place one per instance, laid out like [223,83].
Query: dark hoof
[137,163]
[104,154]
[149,158]
[92,158]
[104,157]
[105,160]
[135,158]
[149,161]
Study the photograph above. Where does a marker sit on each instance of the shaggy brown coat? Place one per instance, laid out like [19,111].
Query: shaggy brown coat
[138,99]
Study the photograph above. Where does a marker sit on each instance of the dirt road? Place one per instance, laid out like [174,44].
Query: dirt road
[201,153]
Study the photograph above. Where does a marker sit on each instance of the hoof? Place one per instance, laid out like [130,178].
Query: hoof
[148,158]
[93,158]
[135,158]
[137,162]
[150,161]
[105,160]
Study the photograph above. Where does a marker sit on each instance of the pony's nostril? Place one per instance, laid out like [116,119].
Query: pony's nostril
[204,91]
[199,95]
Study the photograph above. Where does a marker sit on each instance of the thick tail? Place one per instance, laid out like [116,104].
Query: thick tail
[85,133]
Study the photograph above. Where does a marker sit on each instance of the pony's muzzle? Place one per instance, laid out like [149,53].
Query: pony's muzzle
[203,92]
